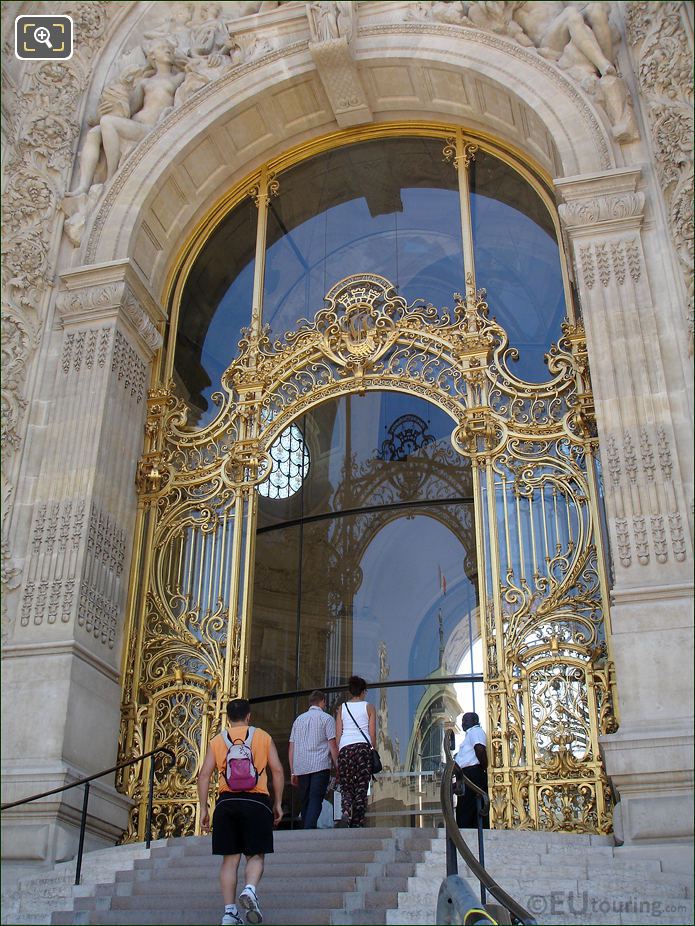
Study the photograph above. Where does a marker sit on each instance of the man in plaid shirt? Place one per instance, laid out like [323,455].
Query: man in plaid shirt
[312,749]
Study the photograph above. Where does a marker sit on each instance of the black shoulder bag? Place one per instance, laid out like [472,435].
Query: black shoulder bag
[375,758]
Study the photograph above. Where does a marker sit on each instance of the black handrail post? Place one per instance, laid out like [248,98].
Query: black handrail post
[481,849]
[452,858]
[83,826]
[148,830]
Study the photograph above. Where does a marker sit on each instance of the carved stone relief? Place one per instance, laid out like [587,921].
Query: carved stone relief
[58,532]
[579,38]
[641,486]
[80,304]
[617,260]
[40,141]
[332,27]
[643,504]
[100,584]
[55,542]
[182,51]
[87,349]
[77,551]
[128,368]
[658,36]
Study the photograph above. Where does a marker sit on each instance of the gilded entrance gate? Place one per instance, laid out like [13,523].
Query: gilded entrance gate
[548,673]
[542,586]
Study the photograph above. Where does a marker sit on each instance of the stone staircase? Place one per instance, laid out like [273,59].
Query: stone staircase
[320,876]
[564,878]
[372,876]
[31,896]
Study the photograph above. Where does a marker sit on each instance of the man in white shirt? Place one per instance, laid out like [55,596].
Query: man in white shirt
[471,759]
[312,747]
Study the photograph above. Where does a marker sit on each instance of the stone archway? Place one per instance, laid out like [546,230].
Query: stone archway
[112,321]
[185,166]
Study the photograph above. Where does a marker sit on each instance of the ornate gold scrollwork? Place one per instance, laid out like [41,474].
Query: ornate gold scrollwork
[549,677]
[459,152]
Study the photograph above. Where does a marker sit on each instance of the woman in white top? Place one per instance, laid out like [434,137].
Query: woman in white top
[355,728]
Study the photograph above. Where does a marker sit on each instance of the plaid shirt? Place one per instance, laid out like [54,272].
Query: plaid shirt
[310,734]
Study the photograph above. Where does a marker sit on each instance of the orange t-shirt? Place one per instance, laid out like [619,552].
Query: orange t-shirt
[260,746]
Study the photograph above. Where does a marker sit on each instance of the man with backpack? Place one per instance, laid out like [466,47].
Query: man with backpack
[244,814]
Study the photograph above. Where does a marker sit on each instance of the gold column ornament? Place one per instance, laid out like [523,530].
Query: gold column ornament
[461,153]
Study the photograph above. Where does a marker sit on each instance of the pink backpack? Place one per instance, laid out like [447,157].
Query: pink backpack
[239,771]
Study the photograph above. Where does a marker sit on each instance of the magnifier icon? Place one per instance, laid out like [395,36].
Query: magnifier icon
[43,35]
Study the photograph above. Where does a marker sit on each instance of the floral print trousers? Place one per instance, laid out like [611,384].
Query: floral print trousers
[355,770]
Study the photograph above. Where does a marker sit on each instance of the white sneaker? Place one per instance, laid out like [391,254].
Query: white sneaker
[248,901]
[232,919]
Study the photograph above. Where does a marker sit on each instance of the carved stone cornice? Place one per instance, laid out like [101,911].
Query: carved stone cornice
[109,291]
[607,202]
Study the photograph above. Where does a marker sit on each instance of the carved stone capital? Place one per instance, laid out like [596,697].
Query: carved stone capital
[111,291]
[607,202]
[341,81]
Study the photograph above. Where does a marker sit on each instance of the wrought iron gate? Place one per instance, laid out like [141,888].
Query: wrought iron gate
[548,672]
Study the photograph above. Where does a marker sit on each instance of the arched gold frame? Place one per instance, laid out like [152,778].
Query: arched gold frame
[545,619]
[535,175]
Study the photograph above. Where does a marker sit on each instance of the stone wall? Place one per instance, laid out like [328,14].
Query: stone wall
[88,252]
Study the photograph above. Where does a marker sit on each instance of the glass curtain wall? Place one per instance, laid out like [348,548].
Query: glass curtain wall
[367,565]
[365,549]
[389,206]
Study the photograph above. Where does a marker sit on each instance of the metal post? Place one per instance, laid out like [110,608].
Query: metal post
[481,850]
[83,826]
[452,861]
[148,826]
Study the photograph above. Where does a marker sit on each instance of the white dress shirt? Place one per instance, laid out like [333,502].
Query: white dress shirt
[475,736]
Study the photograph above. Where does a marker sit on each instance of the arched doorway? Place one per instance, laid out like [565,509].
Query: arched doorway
[526,441]
[367,565]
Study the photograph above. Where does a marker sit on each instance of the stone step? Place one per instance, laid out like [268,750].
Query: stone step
[357,918]
[270,885]
[196,866]
[301,916]
[496,846]
[350,874]
[536,837]
[634,886]
[560,861]
[307,839]
[270,901]
[362,877]
[608,913]
[547,868]
[307,850]
[211,874]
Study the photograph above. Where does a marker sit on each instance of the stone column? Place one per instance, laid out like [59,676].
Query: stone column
[61,666]
[636,349]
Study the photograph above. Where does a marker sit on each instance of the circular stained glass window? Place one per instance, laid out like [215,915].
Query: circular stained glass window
[290,465]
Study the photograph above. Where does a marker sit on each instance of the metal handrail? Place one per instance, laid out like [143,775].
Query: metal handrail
[86,781]
[483,806]
[340,689]
[519,913]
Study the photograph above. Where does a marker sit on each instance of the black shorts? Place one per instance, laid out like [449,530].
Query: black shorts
[242,823]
